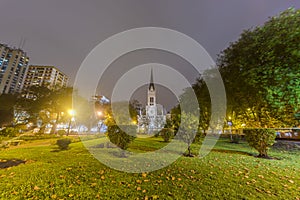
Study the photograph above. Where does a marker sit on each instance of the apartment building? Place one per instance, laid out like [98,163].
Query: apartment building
[49,76]
[13,67]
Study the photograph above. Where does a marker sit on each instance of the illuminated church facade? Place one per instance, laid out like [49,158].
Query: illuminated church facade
[154,117]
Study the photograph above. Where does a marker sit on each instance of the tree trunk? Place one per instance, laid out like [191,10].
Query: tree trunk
[189,150]
[263,151]
[54,125]
[42,129]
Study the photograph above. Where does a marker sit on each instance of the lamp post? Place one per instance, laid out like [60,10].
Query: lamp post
[71,113]
[229,123]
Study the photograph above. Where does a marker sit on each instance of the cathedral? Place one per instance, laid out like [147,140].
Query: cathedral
[154,117]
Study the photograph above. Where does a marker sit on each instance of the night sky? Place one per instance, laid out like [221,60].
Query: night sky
[63,32]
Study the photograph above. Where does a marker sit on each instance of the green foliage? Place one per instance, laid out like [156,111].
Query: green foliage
[9,132]
[46,105]
[7,103]
[198,137]
[63,144]
[236,138]
[204,101]
[61,132]
[188,129]
[261,73]
[6,117]
[175,118]
[166,134]
[121,135]
[260,139]
[120,113]
[156,133]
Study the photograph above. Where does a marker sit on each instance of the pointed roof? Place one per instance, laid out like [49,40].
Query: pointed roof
[151,85]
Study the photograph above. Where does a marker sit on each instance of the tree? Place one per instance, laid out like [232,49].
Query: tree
[60,101]
[121,125]
[119,135]
[203,97]
[261,140]
[36,101]
[124,114]
[188,130]
[45,105]
[7,104]
[261,72]
[166,134]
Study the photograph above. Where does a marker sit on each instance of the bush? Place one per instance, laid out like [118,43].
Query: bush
[236,138]
[119,135]
[260,139]
[9,132]
[22,127]
[63,144]
[61,132]
[188,130]
[156,133]
[166,134]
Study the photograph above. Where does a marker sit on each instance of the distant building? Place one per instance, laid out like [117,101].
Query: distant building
[48,76]
[155,117]
[13,66]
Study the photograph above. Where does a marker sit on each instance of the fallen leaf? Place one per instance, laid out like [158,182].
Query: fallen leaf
[101,172]
[291,181]
[261,176]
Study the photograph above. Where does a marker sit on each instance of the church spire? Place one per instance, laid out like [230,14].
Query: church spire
[151,85]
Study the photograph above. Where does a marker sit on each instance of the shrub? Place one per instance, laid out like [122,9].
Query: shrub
[61,132]
[22,127]
[166,134]
[260,139]
[9,132]
[236,138]
[121,136]
[63,144]
[188,130]
[156,133]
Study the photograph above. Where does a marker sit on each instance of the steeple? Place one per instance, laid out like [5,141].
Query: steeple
[151,92]
[151,85]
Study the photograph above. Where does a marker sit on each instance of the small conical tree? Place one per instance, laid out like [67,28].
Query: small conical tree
[188,129]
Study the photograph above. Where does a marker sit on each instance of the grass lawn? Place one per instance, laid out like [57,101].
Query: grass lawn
[228,172]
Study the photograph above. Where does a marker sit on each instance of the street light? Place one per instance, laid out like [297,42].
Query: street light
[229,123]
[71,113]
[99,113]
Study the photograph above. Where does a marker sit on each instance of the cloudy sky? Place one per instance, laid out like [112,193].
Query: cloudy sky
[63,32]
